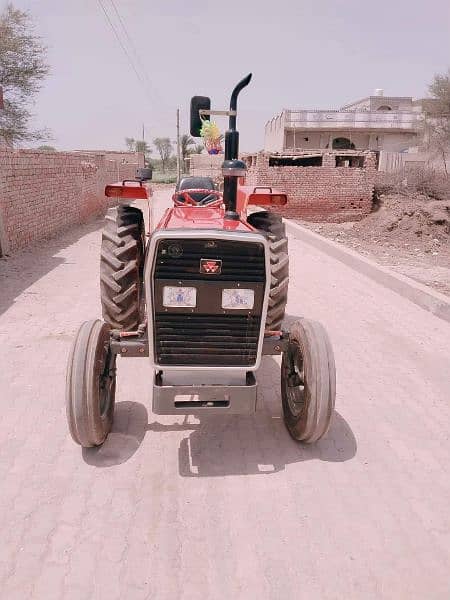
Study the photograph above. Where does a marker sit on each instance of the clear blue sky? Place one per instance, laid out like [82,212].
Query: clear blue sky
[312,54]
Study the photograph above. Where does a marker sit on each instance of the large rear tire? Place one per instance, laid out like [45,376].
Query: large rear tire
[275,229]
[121,268]
[308,381]
[90,385]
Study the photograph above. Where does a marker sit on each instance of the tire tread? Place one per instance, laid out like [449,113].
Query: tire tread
[121,262]
[275,230]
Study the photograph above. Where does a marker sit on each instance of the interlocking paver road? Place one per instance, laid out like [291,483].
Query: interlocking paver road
[227,508]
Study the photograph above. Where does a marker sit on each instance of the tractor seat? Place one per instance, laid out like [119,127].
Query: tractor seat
[196,183]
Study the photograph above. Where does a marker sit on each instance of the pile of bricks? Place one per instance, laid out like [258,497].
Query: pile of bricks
[322,193]
[42,193]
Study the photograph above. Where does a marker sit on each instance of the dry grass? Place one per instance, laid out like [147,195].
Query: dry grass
[410,182]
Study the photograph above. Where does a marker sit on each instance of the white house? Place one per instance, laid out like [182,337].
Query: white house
[378,122]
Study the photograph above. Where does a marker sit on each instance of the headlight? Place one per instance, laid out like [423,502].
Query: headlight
[238,299]
[179,297]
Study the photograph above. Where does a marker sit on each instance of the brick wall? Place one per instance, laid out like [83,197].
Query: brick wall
[42,193]
[206,165]
[326,193]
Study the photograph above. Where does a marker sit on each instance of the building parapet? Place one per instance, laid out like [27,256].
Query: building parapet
[326,119]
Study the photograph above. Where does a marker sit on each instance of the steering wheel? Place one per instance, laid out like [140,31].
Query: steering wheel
[184,198]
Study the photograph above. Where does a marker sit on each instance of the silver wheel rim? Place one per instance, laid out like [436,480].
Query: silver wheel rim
[296,386]
[106,382]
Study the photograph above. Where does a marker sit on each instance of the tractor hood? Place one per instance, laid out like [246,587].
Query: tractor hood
[200,217]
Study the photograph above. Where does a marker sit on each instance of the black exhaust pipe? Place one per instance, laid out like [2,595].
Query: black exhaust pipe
[232,167]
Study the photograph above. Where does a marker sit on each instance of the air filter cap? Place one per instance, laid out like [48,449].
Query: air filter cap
[234,168]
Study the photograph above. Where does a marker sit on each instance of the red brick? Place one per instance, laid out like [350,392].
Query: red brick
[43,193]
[326,193]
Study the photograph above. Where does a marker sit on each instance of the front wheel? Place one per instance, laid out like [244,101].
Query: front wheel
[91,385]
[308,381]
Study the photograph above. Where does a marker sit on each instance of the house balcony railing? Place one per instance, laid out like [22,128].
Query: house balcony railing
[308,119]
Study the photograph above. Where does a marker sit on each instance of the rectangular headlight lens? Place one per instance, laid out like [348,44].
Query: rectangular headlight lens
[179,297]
[238,299]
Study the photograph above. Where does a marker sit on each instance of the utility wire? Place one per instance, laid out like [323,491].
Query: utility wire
[125,30]
[130,60]
[141,64]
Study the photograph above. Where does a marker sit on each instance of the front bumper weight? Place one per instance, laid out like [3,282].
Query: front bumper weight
[235,397]
[130,347]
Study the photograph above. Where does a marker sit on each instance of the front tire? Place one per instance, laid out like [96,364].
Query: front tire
[308,381]
[90,385]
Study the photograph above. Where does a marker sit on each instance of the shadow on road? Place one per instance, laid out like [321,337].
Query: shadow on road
[261,445]
[19,272]
[227,445]
[129,427]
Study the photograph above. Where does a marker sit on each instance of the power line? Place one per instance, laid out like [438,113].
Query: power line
[130,60]
[124,29]
[133,47]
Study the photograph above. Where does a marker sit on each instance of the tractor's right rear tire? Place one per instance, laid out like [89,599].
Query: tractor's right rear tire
[275,229]
[121,268]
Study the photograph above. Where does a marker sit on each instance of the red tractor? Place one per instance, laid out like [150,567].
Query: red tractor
[204,298]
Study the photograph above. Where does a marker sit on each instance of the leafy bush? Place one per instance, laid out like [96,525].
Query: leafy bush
[167,177]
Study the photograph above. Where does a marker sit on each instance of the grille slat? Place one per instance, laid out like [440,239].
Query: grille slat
[197,339]
[241,261]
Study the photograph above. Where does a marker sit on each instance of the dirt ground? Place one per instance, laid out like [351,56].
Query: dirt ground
[226,507]
[409,234]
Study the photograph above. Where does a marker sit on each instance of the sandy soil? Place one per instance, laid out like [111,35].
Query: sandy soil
[409,234]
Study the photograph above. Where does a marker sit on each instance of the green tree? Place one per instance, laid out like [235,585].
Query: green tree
[142,146]
[436,126]
[188,147]
[131,144]
[23,67]
[139,146]
[46,148]
[439,89]
[186,143]
[164,147]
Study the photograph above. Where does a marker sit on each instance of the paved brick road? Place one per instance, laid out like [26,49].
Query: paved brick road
[224,508]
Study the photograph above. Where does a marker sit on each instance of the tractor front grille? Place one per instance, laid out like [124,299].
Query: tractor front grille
[180,259]
[210,340]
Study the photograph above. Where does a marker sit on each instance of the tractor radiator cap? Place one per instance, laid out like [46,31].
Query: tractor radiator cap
[234,168]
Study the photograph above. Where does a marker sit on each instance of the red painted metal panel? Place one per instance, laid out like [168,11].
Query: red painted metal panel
[131,190]
[201,217]
[259,196]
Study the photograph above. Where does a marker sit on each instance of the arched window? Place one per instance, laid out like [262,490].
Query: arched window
[342,143]
[384,107]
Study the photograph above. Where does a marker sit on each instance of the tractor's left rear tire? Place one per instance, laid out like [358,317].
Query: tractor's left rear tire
[308,381]
[273,227]
[90,385]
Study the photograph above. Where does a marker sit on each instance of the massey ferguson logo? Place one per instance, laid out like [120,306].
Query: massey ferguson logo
[210,266]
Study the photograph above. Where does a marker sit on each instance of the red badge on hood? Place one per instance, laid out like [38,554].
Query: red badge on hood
[210,266]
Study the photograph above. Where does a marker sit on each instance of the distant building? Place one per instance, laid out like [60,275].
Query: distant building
[375,123]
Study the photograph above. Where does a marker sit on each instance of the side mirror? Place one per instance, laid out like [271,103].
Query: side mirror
[198,103]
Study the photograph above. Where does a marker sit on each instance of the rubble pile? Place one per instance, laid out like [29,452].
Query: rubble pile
[417,220]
